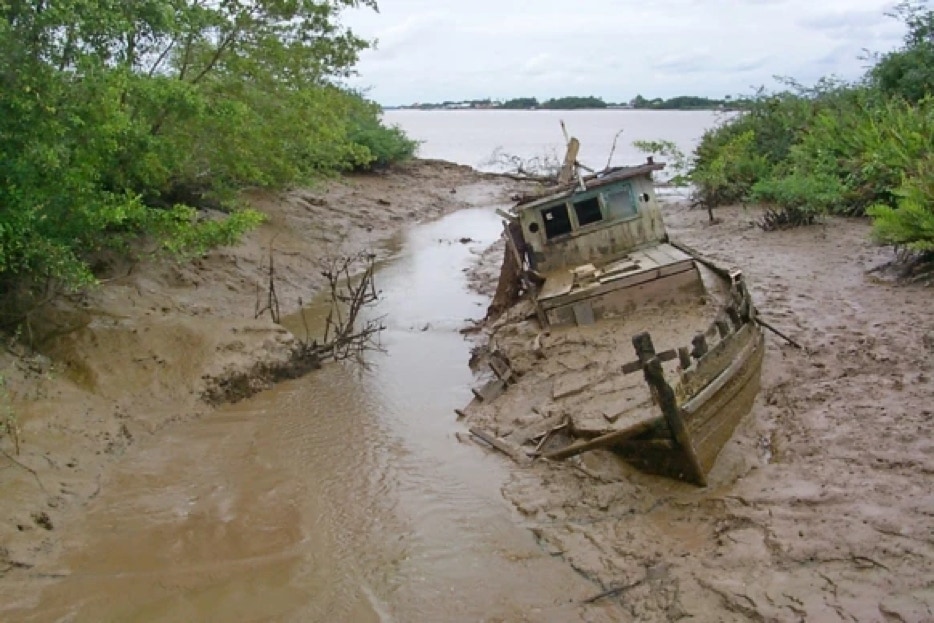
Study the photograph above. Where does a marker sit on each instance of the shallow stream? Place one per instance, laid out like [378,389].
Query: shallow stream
[342,496]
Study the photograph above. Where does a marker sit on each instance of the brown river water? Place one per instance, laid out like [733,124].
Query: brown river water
[341,496]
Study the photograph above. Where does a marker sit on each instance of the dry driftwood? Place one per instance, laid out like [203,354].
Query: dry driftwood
[511,450]
[604,441]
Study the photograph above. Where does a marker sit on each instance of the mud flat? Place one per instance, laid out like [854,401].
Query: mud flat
[820,507]
[162,343]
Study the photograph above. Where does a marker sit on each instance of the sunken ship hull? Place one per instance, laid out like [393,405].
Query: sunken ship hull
[596,262]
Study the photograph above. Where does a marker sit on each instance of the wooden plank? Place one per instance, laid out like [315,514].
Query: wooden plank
[605,441]
[659,256]
[624,265]
[568,168]
[714,421]
[712,363]
[523,435]
[490,391]
[501,369]
[583,313]
[665,397]
[556,284]
[676,254]
[698,400]
[512,451]
[716,268]
[626,280]
[643,259]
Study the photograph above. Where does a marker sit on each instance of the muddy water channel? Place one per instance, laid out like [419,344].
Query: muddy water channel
[342,496]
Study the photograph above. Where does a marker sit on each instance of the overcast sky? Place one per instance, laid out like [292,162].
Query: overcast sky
[435,50]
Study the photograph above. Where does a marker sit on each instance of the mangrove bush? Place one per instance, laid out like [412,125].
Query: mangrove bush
[837,148]
[127,118]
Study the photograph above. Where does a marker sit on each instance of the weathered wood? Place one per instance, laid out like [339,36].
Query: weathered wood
[716,268]
[633,446]
[734,316]
[763,323]
[632,366]
[714,361]
[645,350]
[676,288]
[665,397]
[510,282]
[717,414]
[490,391]
[739,360]
[635,366]
[523,435]
[605,441]
[510,450]
[700,346]
[684,357]
[506,215]
[625,280]
[567,169]
[541,443]
[501,369]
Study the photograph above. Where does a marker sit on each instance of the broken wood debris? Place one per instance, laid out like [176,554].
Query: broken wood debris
[604,441]
[509,449]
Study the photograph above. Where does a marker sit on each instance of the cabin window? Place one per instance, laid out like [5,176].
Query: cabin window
[620,204]
[588,211]
[557,221]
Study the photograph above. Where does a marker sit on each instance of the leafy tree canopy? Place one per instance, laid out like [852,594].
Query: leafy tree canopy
[572,103]
[117,117]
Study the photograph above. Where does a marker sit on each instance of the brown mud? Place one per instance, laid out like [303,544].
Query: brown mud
[820,507]
[160,343]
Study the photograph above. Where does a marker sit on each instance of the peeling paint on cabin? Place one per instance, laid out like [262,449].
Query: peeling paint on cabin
[612,217]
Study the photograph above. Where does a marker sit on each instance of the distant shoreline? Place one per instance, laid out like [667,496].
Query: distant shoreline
[608,109]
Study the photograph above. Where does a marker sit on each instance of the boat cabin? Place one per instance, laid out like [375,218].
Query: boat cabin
[601,247]
[613,214]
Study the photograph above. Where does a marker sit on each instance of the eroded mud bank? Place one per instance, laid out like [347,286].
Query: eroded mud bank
[820,507]
[118,364]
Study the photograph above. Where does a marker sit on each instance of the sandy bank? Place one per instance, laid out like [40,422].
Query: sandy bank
[126,359]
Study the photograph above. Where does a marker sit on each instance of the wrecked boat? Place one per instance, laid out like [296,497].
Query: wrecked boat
[658,349]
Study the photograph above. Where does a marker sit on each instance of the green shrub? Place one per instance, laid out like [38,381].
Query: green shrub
[121,120]
[910,223]
[730,170]
[847,149]
[384,145]
[800,199]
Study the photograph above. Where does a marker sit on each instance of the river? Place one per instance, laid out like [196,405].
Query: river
[345,495]
[472,137]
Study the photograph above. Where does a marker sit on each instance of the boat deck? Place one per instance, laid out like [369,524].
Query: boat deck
[601,288]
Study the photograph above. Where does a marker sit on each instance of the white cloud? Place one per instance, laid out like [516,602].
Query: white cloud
[439,50]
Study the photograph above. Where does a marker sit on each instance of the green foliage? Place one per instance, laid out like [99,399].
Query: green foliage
[121,119]
[520,103]
[837,148]
[730,169]
[680,102]
[908,72]
[910,223]
[676,161]
[183,232]
[383,145]
[574,103]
